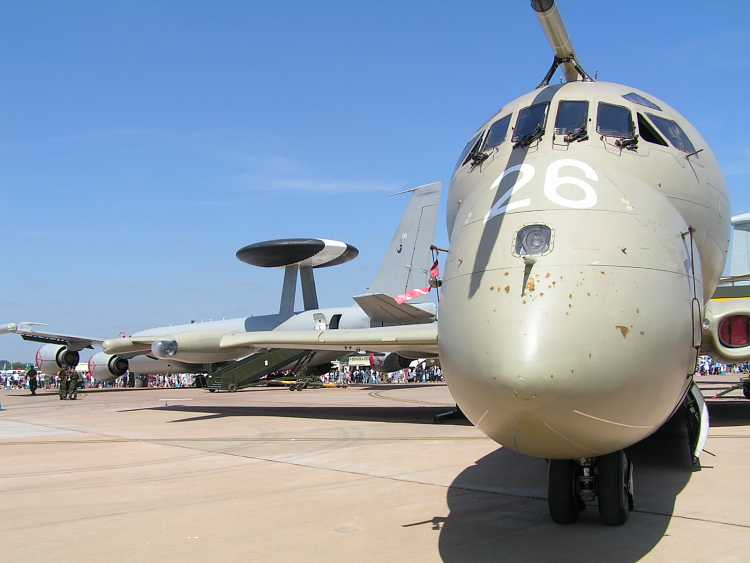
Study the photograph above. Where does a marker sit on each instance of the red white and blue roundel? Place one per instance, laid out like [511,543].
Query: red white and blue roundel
[311,252]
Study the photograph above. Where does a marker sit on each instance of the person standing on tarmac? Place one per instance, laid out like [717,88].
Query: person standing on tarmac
[62,378]
[72,384]
[31,377]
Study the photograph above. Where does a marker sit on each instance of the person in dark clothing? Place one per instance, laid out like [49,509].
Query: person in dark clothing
[33,383]
[62,377]
[72,384]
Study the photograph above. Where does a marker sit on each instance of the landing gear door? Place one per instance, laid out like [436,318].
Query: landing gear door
[698,423]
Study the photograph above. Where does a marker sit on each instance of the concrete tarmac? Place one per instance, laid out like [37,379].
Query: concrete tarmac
[358,474]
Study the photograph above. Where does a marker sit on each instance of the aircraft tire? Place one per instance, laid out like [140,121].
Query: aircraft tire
[212,390]
[612,489]
[746,390]
[562,498]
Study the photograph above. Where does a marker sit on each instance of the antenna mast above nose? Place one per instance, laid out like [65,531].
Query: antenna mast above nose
[557,35]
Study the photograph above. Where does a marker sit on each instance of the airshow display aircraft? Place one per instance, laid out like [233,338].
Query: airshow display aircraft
[588,225]
[196,347]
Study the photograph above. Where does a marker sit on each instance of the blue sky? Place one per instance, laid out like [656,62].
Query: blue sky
[142,143]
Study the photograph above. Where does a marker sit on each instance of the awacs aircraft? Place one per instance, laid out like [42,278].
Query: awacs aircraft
[588,225]
[726,327]
[196,347]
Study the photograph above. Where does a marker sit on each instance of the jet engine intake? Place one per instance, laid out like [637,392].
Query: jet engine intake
[50,358]
[387,363]
[106,367]
[726,331]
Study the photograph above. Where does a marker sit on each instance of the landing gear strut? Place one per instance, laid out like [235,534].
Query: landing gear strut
[607,479]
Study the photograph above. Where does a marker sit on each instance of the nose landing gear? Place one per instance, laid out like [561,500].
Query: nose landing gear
[614,488]
[563,495]
[608,479]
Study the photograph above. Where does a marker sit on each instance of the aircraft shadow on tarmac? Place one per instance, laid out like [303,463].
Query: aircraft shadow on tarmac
[729,412]
[418,414]
[486,525]
[498,509]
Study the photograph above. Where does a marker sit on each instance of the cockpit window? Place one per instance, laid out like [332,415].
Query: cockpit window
[571,117]
[673,132]
[470,147]
[614,121]
[648,133]
[638,99]
[497,133]
[531,121]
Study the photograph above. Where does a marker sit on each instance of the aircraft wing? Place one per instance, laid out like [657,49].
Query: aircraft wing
[69,340]
[412,338]
[7,328]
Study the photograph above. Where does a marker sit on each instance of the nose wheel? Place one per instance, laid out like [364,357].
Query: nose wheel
[562,491]
[614,488]
[607,479]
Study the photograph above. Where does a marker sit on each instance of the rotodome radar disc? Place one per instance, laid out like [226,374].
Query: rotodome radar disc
[312,252]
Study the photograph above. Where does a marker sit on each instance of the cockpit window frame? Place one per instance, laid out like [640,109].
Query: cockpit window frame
[680,146]
[557,115]
[507,118]
[648,133]
[469,149]
[514,136]
[611,133]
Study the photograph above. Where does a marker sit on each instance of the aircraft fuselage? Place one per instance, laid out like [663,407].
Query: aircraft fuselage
[587,346]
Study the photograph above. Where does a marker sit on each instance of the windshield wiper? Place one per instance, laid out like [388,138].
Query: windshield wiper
[579,134]
[479,157]
[529,138]
[630,143]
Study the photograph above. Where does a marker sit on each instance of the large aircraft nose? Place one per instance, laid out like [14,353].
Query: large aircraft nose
[560,359]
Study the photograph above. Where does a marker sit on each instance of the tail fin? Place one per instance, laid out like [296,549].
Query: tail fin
[408,259]
[740,249]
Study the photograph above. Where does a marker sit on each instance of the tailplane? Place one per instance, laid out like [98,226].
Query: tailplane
[408,259]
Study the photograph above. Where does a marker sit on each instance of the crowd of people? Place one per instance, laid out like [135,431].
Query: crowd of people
[708,366]
[32,380]
[368,376]
[67,381]
[174,381]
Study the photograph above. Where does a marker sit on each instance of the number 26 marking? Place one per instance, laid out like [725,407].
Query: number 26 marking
[552,183]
